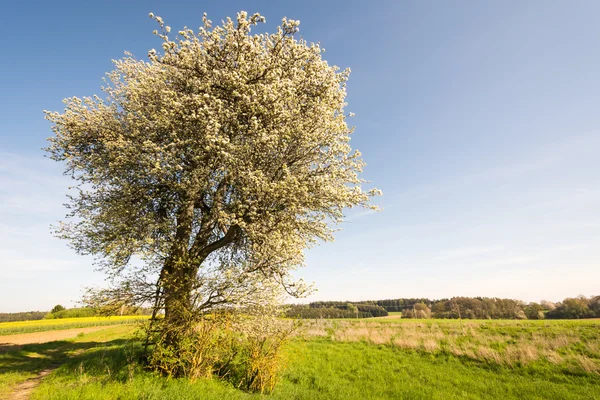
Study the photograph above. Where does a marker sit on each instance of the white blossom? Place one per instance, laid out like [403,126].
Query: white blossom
[223,157]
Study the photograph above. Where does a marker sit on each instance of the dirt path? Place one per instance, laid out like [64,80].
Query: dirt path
[43,337]
[23,390]
[9,342]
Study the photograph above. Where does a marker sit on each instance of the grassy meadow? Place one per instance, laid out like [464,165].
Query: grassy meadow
[19,327]
[342,359]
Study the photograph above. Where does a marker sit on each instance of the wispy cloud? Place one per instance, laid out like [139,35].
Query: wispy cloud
[544,256]
[31,195]
[465,252]
[570,148]
[361,269]
[359,214]
[31,186]
[31,267]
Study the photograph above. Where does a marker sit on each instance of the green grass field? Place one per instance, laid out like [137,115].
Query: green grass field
[14,328]
[376,359]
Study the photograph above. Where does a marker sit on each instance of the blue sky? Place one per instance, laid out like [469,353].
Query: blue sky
[478,120]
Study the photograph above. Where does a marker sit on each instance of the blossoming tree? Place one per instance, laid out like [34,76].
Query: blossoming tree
[204,172]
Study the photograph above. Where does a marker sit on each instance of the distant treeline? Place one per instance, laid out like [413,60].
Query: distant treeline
[457,307]
[59,312]
[22,316]
[92,312]
[72,313]
[494,308]
[336,309]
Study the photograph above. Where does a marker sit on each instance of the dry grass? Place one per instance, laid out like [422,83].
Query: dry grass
[587,364]
[507,343]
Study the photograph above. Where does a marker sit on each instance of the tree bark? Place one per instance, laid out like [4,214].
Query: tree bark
[177,292]
[181,268]
[177,279]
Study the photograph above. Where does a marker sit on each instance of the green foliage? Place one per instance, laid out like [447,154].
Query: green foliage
[457,307]
[245,352]
[399,305]
[56,309]
[574,308]
[73,313]
[374,310]
[335,309]
[534,311]
[487,308]
[418,310]
[421,310]
[22,316]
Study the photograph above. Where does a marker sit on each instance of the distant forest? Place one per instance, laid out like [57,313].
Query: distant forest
[22,316]
[457,307]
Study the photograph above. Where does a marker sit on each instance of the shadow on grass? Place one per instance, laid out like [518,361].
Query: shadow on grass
[111,359]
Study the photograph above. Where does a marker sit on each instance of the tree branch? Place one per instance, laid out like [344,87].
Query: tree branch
[230,236]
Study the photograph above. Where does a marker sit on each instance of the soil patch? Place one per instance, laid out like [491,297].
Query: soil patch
[23,390]
[10,341]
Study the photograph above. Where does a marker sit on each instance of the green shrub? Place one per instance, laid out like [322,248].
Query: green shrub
[56,309]
[73,313]
[242,349]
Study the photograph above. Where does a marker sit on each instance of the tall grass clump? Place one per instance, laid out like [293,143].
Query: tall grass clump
[243,348]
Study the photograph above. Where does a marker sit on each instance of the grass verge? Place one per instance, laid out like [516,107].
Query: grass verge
[104,365]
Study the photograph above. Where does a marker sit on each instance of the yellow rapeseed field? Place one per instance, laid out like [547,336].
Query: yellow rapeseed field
[12,328]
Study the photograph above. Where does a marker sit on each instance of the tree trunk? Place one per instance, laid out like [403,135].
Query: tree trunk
[177,288]
[178,278]
[177,281]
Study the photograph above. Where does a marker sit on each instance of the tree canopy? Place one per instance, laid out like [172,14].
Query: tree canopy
[215,164]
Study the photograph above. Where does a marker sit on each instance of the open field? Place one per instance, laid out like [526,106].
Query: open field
[19,327]
[573,345]
[366,359]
